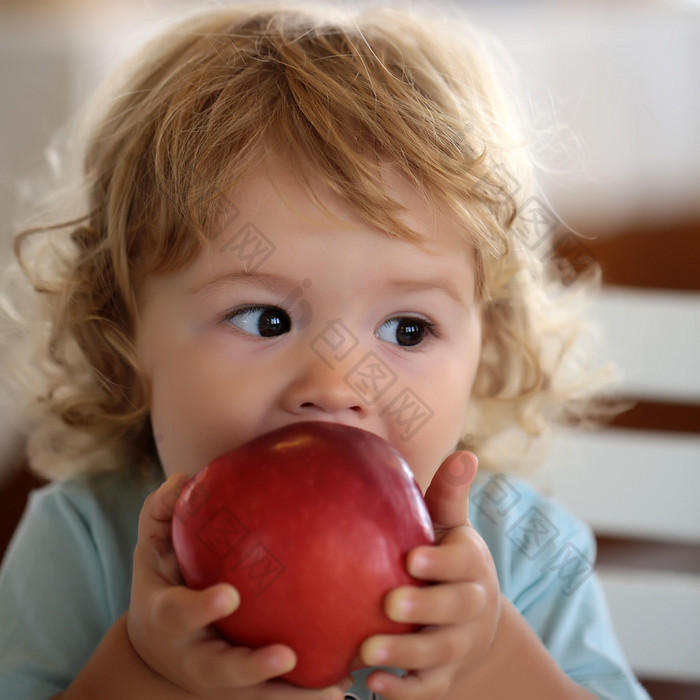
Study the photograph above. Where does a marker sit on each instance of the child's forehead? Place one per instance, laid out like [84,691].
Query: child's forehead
[280,231]
[276,184]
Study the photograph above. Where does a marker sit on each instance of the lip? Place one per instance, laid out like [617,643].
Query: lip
[334,421]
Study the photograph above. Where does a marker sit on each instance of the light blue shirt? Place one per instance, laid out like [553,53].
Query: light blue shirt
[67,575]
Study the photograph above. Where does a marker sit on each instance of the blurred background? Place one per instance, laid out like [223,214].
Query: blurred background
[622,79]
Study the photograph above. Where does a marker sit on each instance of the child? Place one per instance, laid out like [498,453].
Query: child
[300,216]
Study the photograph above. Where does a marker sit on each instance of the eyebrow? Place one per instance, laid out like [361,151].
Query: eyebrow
[427,285]
[281,284]
[276,283]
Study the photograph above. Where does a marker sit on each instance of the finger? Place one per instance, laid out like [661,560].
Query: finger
[154,559]
[431,683]
[155,519]
[451,603]
[179,611]
[219,665]
[216,665]
[447,495]
[431,647]
[166,496]
[461,555]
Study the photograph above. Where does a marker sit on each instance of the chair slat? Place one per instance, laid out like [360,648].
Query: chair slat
[630,483]
[654,337]
[643,486]
[657,619]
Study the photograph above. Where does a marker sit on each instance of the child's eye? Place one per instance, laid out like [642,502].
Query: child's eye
[265,321]
[404,330]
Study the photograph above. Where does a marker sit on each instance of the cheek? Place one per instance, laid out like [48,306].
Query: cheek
[434,436]
[447,399]
[183,425]
[198,410]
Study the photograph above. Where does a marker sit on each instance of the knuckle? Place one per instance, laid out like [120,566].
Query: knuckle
[146,514]
[460,536]
[483,550]
[409,654]
[434,683]
[246,668]
[476,555]
[168,501]
[443,689]
[472,600]
[415,692]
[199,669]
[149,503]
[449,648]
[167,612]
[440,686]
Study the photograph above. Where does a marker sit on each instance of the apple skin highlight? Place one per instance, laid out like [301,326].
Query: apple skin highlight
[312,524]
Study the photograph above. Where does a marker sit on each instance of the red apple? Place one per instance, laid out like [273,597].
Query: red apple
[312,524]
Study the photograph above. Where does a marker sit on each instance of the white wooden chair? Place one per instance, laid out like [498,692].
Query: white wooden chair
[642,487]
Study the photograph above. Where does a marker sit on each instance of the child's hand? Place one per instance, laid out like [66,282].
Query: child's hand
[460,611]
[169,625]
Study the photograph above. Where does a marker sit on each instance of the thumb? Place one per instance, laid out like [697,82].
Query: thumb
[448,493]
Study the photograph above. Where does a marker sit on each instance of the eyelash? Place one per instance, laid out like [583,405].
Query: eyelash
[426,328]
[241,311]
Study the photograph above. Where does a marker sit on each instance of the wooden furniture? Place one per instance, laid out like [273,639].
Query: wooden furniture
[637,482]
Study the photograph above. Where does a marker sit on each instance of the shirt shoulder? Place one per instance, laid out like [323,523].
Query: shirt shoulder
[65,578]
[530,534]
[545,559]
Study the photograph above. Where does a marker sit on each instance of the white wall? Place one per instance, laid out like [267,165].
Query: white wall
[626,77]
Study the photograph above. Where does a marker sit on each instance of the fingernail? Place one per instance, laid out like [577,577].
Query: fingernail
[376,685]
[406,607]
[228,599]
[375,653]
[418,565]
[401,608]
[283,662]
[462,471]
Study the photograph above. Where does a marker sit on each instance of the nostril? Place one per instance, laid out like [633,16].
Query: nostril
[312,405]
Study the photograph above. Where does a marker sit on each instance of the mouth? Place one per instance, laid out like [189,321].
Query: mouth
[358,424]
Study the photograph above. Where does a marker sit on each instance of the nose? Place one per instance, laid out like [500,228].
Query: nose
[322,390]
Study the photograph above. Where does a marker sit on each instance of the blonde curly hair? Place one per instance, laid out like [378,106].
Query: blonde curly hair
[340,96]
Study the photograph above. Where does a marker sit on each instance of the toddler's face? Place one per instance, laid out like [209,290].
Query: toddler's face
[293,314]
